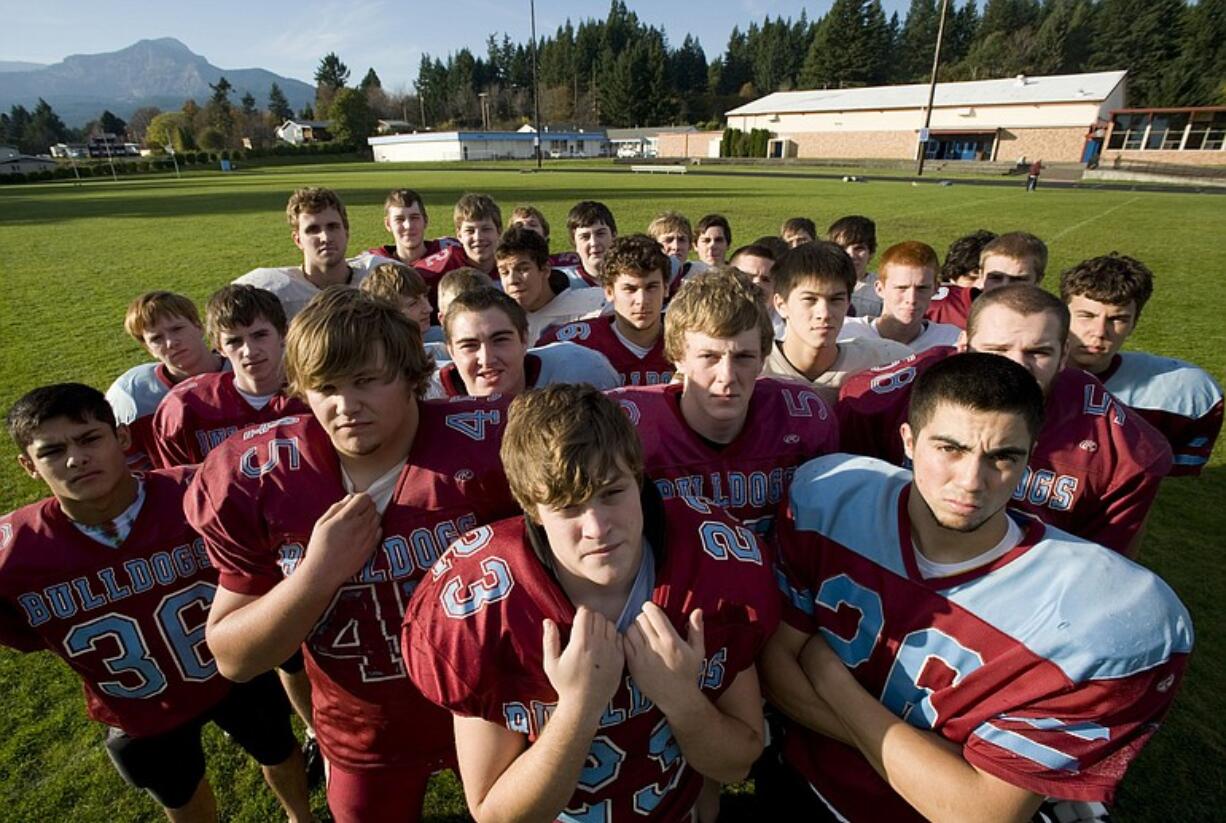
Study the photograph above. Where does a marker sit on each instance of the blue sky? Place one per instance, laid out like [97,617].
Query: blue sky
[290,37]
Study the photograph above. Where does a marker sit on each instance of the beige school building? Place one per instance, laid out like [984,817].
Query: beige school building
[1053,118]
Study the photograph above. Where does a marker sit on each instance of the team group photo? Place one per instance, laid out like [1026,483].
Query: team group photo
[663,483]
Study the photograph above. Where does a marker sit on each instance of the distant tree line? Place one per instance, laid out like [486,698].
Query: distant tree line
[621,72]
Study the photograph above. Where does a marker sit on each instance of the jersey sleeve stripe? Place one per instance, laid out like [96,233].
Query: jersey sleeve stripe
[1026,748]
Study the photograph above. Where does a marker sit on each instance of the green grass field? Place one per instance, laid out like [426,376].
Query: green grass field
[72,257]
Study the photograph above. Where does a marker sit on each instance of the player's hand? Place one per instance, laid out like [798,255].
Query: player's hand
[344,538]
[589,670]
[665,667]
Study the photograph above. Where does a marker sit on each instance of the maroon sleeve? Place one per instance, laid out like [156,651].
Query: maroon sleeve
[796,573]
[223,507]
[14,632]
[168,435]
[871,407]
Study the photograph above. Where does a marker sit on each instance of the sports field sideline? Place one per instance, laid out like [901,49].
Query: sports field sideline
[73,256]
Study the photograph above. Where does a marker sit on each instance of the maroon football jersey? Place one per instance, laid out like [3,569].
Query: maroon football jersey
[256,499]
[1094,471]
[1050,666]
[128,620]
[432,267]
[564,259]
[389,250]
[198,415]
[951,304]
[472,639]
[787,424]
[598,334]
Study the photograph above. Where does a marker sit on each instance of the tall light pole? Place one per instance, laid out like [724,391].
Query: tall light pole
[932,90]
[536,88]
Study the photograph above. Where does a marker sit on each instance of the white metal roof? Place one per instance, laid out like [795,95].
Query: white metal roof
[1057,88]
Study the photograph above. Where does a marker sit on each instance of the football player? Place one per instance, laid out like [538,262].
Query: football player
[168,326]
[961,266]
[247,325]
[404,215]
[487,338]
[1105,296]
[319,226]
[672,230]
[721,432]
[107,574]
[857,235]
[597,652]
[402,286]
[798,230]
[456,281]
[478,223]
[813,287]
[592,230]
[1009,259]
[632,337]
[522,257]
[904,288]
[712,239]
[756,263]
[942,657]
[1096,466]
[322,524]
[530,217]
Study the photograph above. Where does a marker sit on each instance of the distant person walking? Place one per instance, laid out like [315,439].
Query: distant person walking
[1032,176]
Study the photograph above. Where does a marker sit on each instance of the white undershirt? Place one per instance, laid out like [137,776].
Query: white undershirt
[256,401]
[930,568]
[638,351]
[382,489]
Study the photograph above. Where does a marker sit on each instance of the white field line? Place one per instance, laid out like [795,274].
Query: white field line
[1090,219]
[947,207]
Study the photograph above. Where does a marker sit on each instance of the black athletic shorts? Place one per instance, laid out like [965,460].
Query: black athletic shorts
[295,664]
[170,766]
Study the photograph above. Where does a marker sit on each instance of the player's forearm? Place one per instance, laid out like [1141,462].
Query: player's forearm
[925,769]
[788,689]
[268,630]
[716,744]
[538,784]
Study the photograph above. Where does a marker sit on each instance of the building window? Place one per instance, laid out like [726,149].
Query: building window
[1207,132]
[1166,131]
[1127,131]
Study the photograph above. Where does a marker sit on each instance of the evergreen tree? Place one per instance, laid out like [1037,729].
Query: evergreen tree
[1202,64]
[1142,36]
[850,48]
[108,123]
[307,112]
[916,42]
[370,81]
[331,73]
[352,119]
[248,104]
[43,129]
[278,106]
[1063,41]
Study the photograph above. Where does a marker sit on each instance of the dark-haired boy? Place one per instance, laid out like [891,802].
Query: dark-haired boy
[944,658]
[813,285]
[857,235]
[757,262]
[712,239]
[522,258]
[663,605]
[108,575]
[1096,466]
[1105,296]
[247,325]
[632,337]
[592,229]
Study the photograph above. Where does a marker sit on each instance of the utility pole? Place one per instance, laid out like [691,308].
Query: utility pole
[932,90]
[536,88]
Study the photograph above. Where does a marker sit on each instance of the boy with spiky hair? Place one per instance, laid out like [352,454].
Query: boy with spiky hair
[322,524]
[522,257]
[478,223]
[632,337]
[664,605]
[721,432]
[904,288]
[1105,296]
[319,226]
[404,215]
[487,337]
[944,657]
[247,325]
[592,229]
[961,265]
[797,230]
[813,286]
[857,235]
[107,574]
[168,327]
